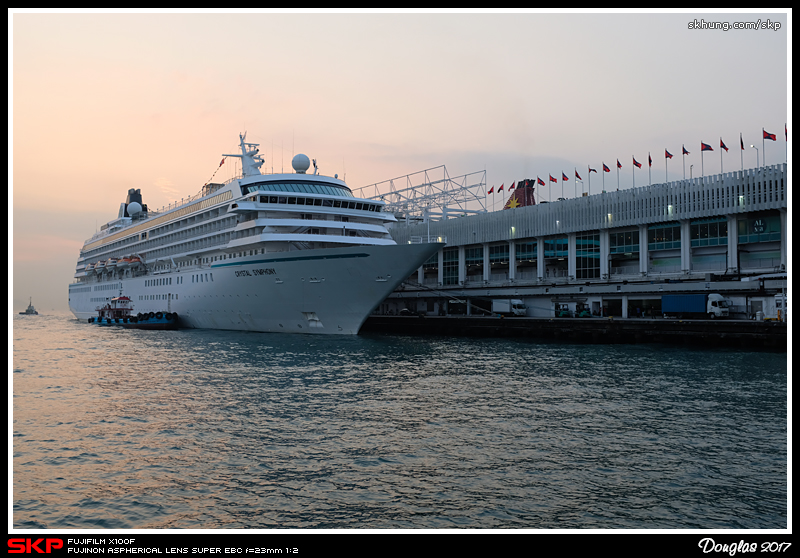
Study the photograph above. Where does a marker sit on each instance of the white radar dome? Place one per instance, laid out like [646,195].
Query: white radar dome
[134,208]
[300,163]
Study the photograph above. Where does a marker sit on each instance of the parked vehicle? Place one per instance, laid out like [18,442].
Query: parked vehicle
[694,306]
[776,308]
[508,307]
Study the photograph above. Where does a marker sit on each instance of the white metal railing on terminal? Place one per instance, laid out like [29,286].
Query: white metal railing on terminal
[427,239]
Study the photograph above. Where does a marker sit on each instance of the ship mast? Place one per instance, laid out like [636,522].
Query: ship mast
[251,160]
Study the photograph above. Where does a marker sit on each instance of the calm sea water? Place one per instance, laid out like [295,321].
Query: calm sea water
[212,429]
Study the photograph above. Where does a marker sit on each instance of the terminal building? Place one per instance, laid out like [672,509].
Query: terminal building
[610,254]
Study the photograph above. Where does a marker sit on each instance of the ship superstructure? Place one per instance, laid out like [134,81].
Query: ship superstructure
[280,252]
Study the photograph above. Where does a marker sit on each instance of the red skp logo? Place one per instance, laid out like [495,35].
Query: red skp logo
[29,546]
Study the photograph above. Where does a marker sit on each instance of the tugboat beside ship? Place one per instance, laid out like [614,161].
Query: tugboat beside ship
[119,311]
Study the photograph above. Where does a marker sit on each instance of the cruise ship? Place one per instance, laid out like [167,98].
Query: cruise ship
[290,252]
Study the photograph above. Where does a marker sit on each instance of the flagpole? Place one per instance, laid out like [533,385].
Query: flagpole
[649,170]
[683,158]
[741,149]
[702,171]
[763,147]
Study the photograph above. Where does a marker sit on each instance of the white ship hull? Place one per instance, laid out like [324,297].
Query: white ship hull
[326,291]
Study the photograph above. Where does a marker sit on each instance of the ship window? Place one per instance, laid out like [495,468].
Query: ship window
[317,202]
[273,199]
[327,203]
[292,201]
[337,203]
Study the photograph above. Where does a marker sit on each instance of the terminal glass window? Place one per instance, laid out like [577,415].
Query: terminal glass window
[664,237]
[556,247]
[450,266]
[526,250]
[587,256]
[473,255]
[498,254]
[432,263]
[709,232]
[759,229]
[623,242]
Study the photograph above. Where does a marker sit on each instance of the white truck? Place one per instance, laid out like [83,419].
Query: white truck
[508,307]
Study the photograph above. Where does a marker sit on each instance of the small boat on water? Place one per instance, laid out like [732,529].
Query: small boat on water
[119,312]
[30,310]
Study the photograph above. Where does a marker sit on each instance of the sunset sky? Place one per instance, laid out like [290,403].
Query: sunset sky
[103,102]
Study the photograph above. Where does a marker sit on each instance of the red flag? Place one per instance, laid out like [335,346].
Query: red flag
[649,160]
[636,163]
[705,147]
[684,150]
[667,154]
[500,189]
[619,165]
[769,136]
[512,186]
[741,142]
[592,170]
[605,168]
[223,160]
[722,144]
[491,190]
[578,176]
[563,176]
[539,181]
[552,179]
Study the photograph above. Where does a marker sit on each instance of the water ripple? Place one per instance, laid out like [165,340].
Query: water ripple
[122,429]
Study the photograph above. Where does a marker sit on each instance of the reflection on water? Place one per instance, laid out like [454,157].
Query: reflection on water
[207,429]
